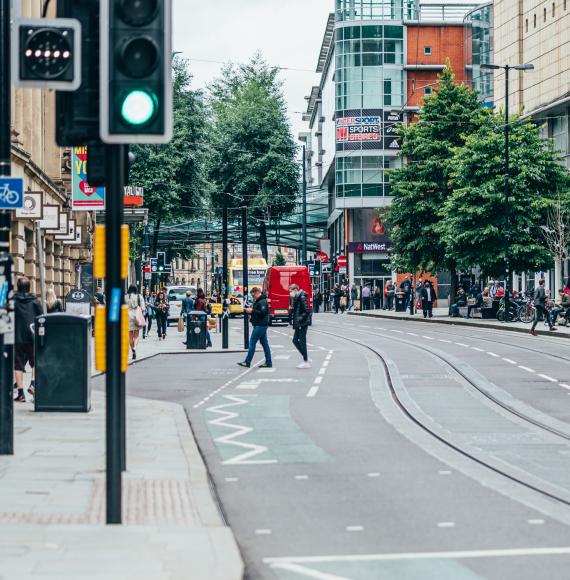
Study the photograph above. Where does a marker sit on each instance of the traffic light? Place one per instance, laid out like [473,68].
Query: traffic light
[136,78]
[46,53]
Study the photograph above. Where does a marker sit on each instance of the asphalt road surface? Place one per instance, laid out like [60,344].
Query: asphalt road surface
[407,451]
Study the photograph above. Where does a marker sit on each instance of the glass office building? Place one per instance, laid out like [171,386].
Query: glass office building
[479,49]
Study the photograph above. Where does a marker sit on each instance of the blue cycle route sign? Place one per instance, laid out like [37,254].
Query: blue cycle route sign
[11,192]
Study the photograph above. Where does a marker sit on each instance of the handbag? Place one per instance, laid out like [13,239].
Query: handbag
[140,320]
[181,324]
[343,301]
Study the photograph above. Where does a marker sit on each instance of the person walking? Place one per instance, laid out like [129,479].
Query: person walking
[135,305]
[149,300]
[428,297]
[390,293]
[377,298]
[353,296]
[259,313]
[540,298]
[200,305]
[366,297]
[406,288]
[26,308]
[52,302]
[161,308]
[336,298]
[300,319]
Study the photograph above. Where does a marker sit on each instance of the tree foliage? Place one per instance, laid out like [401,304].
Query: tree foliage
[474,214]
[279,259]
[174,176]
[253,151]
[423,184]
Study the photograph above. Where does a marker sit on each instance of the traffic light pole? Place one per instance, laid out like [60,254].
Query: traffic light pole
[225,290]
[304,233]
[6,349]
[114,288]
[244,251]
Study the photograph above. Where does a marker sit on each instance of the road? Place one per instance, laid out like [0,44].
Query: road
[407,451]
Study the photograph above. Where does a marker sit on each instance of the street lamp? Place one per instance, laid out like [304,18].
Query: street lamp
[507,68]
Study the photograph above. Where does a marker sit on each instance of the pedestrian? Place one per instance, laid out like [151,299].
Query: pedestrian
[366,292]
[377,298]
[301,319]
[137,320]
[406,288]
[148,311]
[52,302]
[161,308]
[561,307]
[99,295]
[353,296]
[428,296]
[389,293]
[337,293]
[26,308]
[540,308]
[344,291]
[259,318]
[187,303]
[200,305]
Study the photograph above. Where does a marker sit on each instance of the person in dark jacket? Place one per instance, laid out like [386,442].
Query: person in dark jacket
[301,319]
[200,305]
[337,297]
[540,308]
[53,304]
[406,288]
[259,318]
[460,302]
[26,308]
[377,298]
[427,296]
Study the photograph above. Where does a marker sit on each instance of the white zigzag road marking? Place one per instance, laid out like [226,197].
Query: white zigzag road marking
[239,431]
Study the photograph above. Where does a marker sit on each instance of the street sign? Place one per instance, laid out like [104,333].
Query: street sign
[341,261]
[314,268]
[326,268]
[154,265]
[217,308]
[11,192]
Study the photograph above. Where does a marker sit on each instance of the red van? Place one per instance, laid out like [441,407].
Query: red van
[276,285]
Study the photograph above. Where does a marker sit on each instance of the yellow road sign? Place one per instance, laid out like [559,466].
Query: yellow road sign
[216,308]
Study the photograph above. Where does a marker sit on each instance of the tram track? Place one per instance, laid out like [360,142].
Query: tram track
[445,440]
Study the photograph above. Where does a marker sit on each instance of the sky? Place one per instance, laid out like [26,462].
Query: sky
[289,33]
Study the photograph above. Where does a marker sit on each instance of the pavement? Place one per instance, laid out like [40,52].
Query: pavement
[441,316]
[52,499]
[321,475]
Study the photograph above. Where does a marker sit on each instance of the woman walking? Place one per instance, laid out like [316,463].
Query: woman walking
[200,305]
[52,302]
[148,311]
[135,304]
[161,308]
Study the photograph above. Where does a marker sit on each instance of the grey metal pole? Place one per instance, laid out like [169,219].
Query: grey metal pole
[41,263]
[304,240]
[6,346]
[225,289]
[245,262]
[507,197]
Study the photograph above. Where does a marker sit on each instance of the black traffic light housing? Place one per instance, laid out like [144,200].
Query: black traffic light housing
[136,77]
[46,53]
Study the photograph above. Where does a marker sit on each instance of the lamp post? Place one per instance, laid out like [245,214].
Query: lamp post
[507,68]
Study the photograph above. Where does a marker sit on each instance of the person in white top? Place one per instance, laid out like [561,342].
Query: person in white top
[135,301]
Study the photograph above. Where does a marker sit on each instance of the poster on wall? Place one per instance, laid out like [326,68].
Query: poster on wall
[63,225]
[70,235]
[32,208]
[50,219]
[134,196]
[78,237]
[83,196]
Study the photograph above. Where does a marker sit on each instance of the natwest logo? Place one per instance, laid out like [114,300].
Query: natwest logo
[370,247]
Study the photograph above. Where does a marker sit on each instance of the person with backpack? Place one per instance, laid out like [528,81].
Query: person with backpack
[300,319]
[26,308]
[135,305]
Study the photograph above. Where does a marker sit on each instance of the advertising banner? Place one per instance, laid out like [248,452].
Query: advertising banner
[83,196]
[359,129]
[134,196]
[379,247]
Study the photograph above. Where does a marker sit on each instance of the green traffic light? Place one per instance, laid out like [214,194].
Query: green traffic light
[138,107]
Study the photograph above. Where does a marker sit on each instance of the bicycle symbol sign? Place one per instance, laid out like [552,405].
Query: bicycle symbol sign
[11,192]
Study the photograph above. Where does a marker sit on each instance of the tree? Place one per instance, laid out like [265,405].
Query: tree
[422,185]
[474,223]
[253,160]
[279,259]
[556,231]
[174,176]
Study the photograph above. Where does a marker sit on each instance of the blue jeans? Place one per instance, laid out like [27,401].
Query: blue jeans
[259,334]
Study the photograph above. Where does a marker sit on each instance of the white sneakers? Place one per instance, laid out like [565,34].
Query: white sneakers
[304,365]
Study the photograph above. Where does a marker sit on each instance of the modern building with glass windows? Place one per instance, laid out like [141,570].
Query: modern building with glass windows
[479,49]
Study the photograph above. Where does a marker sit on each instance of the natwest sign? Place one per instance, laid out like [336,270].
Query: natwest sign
[370,247]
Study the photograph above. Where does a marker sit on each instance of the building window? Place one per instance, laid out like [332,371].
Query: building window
[427,91]
[427,50]
[526,25]
[558,132]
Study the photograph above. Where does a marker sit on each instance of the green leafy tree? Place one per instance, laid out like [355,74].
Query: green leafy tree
[174,176]
[422,185]
[474,223]
[279,259]
[253,159]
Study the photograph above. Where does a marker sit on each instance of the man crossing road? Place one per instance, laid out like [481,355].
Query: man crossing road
[301,319]
[260,321]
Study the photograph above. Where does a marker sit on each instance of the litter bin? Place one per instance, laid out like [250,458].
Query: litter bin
[63,363]
[400,302]
[196,326]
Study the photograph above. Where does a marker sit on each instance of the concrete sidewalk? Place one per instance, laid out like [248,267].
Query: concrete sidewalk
[52,501]
[440,316]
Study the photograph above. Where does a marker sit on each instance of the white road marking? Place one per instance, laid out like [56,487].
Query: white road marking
[373,475]
[307,572]
[232,479]
[318,380]
[565,386]
[398,331]
[446,525]
[428,337]
[526,369]
[462,344]
[301,477]
[322,371]
[493,354]
[511,362]
[457,555]
[444,472]
[547,378]
[325,363]
[313,391]
[267,370]
[536,522]
[262,532]
[477,349]
[443,340]
[354,528]
[412,334]
[282,357]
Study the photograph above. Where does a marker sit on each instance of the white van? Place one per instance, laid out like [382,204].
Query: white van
[174,295]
